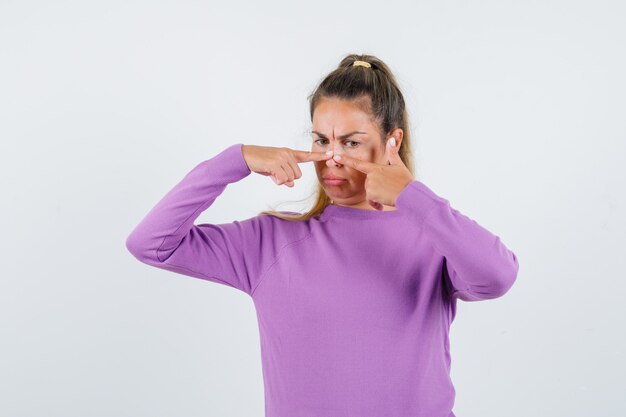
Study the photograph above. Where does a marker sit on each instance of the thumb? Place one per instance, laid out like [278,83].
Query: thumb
[392,152]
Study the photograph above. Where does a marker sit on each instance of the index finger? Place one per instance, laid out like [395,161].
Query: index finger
[308,156]
[358,164]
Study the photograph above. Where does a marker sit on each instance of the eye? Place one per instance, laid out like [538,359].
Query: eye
[348,141]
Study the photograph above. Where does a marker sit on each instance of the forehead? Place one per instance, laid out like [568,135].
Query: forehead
[335,116]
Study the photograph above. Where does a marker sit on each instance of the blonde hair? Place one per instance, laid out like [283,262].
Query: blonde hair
[374,90]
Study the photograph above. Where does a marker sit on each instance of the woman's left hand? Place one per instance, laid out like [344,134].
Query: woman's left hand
[383,183]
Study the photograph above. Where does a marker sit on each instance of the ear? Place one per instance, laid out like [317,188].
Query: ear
[398,133]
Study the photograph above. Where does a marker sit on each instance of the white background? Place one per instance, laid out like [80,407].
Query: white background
[517,112]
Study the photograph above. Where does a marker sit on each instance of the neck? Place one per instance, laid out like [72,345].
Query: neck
[363,205]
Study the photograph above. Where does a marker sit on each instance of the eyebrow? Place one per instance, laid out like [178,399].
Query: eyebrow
[347,135]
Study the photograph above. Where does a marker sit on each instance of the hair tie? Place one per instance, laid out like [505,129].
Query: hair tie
[361,63]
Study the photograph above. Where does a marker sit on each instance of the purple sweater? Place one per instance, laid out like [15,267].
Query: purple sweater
[354,306]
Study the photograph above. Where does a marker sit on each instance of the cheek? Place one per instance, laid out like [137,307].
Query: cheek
[364,153]
[319,166]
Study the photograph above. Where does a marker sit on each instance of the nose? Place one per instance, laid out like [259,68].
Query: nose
[337,150]
[332,163]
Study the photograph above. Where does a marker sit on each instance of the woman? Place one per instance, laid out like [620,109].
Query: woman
[354,297]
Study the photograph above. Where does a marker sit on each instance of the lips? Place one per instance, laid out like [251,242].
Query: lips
[333,180]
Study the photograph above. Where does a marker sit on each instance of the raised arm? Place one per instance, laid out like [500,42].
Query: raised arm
[167,237]
[478,266]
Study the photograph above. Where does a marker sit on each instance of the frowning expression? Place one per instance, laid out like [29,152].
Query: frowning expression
[345,128]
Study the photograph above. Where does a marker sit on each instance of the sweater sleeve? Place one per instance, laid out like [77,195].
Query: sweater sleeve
[167,237]
[477,265]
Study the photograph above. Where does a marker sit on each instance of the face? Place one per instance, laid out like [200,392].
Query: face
[333,119]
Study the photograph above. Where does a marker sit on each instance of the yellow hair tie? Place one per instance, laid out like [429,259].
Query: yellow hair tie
[361,63]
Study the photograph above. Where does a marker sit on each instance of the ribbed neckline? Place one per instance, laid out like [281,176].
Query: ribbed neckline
[333,210]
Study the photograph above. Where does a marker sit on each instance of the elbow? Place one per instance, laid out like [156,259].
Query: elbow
[133,245]
[500,282]
[496,288]
[505,277]
[502,286]
[137,246]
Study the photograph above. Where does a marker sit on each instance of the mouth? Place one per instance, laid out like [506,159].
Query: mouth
[332,180]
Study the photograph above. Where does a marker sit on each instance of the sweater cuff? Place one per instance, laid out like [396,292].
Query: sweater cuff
[241,162]
[419,200]
[231,163]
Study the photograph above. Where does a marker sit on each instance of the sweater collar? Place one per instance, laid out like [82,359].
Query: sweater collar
[333,210]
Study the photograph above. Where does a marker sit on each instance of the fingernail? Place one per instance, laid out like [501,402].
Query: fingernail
[392,141]
[337,157]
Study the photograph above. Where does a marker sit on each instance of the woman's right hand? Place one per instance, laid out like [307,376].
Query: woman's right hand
[279,163]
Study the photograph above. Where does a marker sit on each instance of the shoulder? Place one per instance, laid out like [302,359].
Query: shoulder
[281,230]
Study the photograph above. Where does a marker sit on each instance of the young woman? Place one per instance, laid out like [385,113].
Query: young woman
[354,297]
